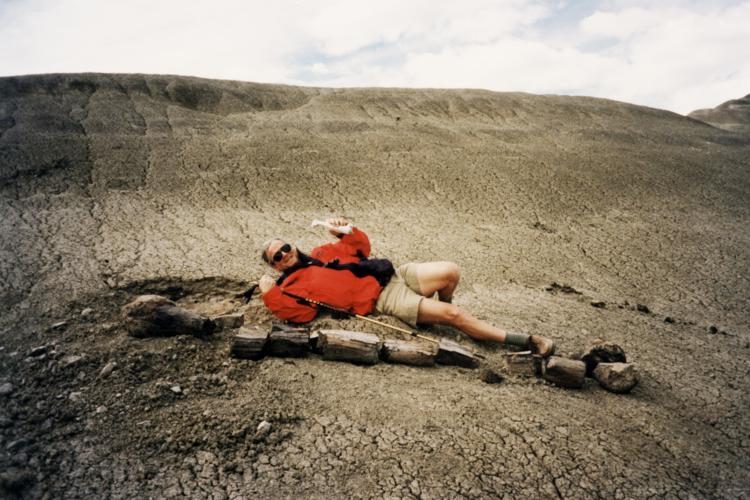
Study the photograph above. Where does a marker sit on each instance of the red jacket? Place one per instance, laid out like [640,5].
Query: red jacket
[338,288]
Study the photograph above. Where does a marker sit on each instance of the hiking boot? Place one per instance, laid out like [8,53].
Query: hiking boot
[541,346]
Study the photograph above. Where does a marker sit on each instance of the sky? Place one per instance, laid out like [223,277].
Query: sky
[679,55]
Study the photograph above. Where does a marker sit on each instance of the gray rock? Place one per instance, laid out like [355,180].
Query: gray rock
[108,368]
[617,377]
[6,389]
[264,428]
[87,312]
[71,359]
[176,389]
[75,396]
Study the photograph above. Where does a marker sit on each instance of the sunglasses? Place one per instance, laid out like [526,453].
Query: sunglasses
[280,254]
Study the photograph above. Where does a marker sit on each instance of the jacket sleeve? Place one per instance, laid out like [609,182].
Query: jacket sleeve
[357,240]
[287,308]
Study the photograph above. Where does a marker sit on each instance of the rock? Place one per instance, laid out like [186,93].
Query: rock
[264,428]
[108,368]
[669,319]
[75,396]
[60,325]
[15,481]
[6,389]
[176,389]
[617,377]
[38,351]
[642,308]
[713,330]
[229,321]
[71,359]
[599,304]
[602,352]
[154,315]
[564,372]
[490,376]
[101,409]
[87,312]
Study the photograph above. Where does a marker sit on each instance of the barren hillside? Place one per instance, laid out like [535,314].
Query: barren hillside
[111,185]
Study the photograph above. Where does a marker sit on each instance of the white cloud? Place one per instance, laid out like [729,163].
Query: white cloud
[678,54]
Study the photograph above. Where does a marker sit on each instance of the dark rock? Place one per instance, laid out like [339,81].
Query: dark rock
[38,351]
[490,376]
[60,325]
[557,287]
[642,308]
[669,319]
[602,352]
[599,304]
[14,481]
[617,377]
[713,330]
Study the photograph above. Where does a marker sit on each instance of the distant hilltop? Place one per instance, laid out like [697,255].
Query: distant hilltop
[733,115]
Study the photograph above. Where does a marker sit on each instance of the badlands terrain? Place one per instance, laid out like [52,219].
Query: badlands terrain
[117,185]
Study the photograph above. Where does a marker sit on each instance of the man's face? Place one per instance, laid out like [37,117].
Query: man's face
[282,255]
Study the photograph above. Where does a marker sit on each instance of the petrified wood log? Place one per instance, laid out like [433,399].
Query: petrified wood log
[409,352]
[453,353]
[617,377]
[345,345]
[229,321]
[564,372]
[523,364]
[250,342]
[154,315]
[288,341]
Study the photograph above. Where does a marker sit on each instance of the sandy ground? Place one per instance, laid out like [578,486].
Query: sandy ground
[112,186]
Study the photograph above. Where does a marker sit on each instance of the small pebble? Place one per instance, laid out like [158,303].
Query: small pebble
[59,325]
[75,396]
[176,389]
[6,389]
[713,330]
[71,359]
[87,312]
[101,409]
[108,368]
[264,428]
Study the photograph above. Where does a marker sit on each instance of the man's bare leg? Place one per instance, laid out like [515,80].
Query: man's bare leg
[436,312]
[440,277]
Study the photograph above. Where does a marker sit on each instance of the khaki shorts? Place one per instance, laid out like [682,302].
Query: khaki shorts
[401,296]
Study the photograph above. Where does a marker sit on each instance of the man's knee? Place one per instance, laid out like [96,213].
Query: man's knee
[453,272]
[452,315]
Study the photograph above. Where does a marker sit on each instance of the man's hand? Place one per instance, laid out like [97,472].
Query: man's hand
[266,283]
[338,222]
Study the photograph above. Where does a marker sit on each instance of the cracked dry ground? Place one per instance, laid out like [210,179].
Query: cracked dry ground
[115,185]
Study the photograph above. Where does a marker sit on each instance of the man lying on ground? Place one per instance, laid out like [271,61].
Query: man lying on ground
[341,275]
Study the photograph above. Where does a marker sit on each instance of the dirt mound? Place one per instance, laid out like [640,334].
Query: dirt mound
[732,115]
[115,185]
